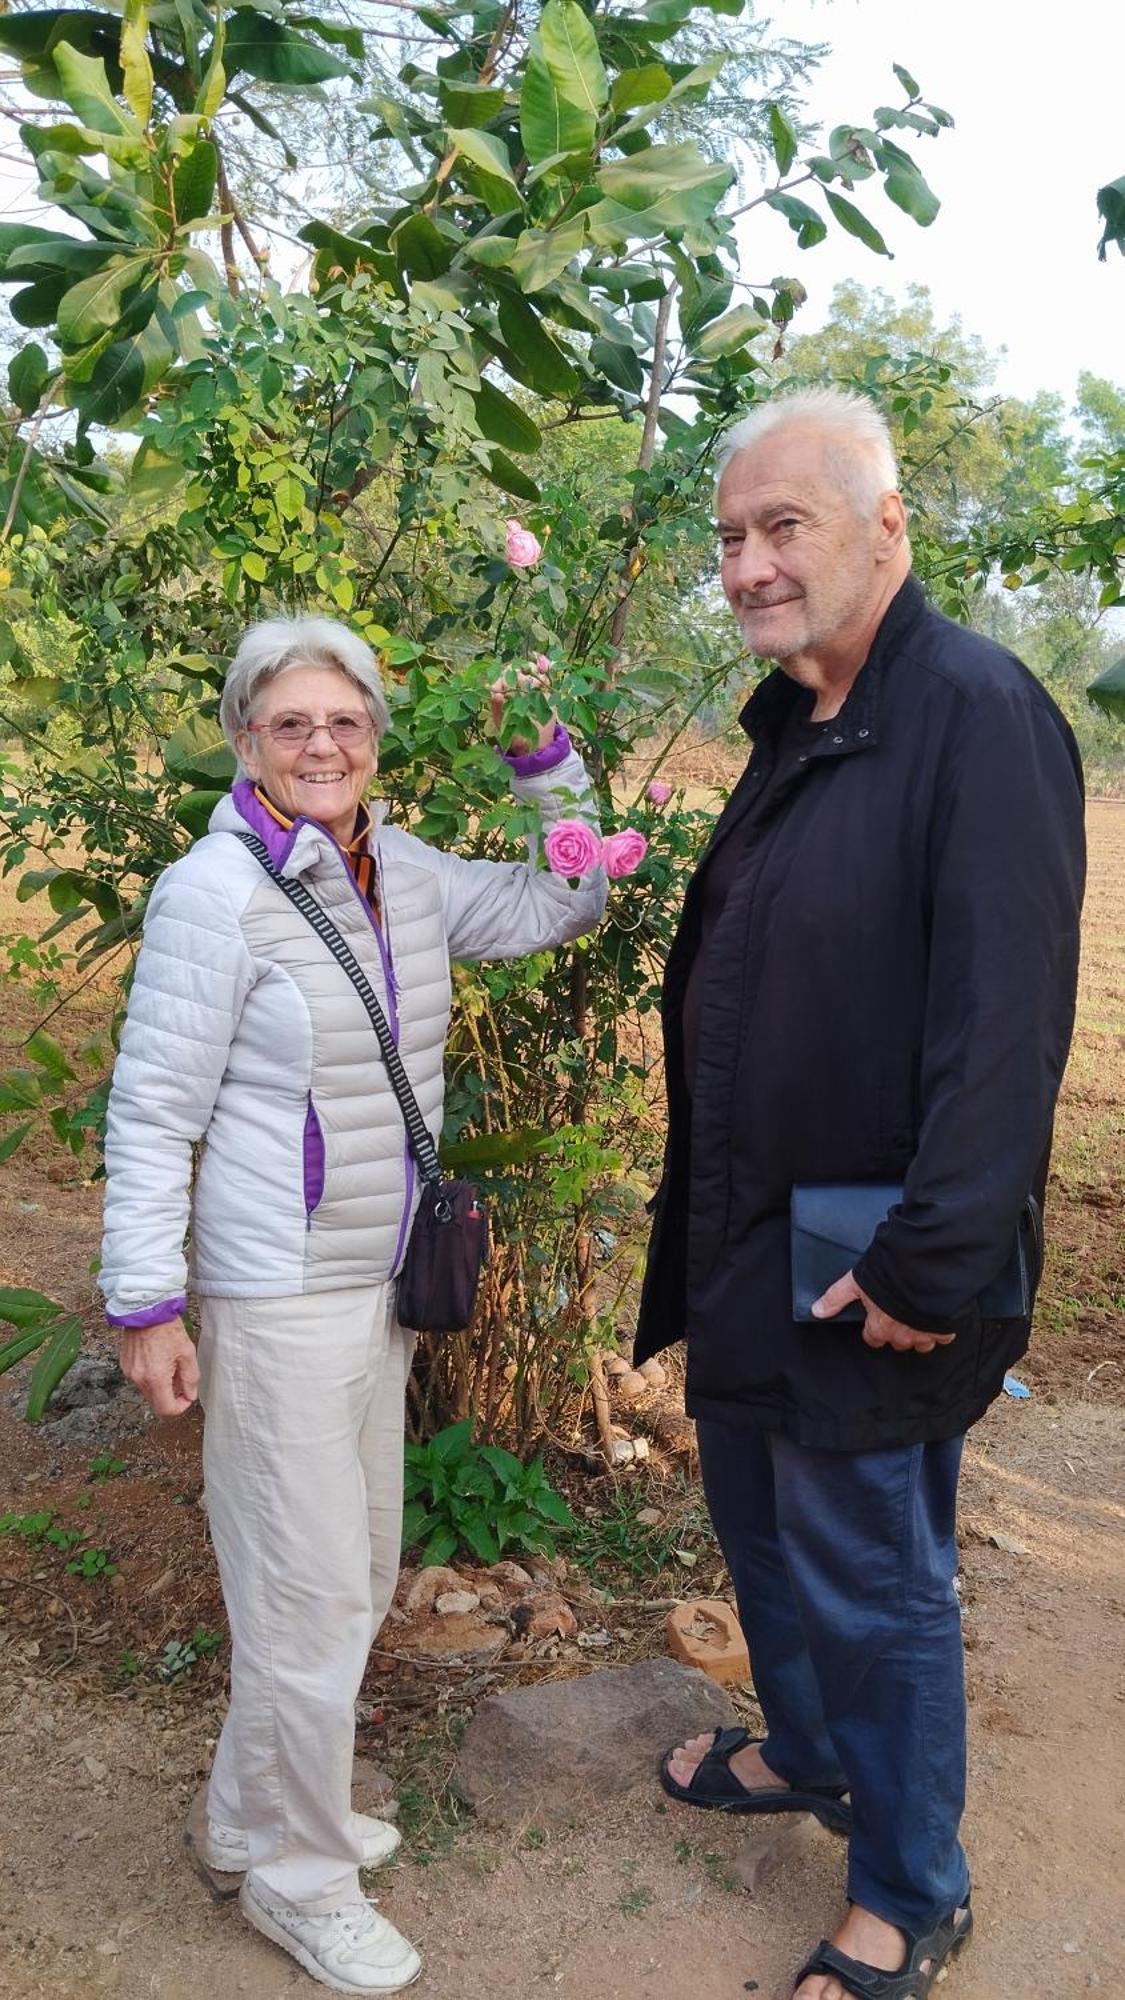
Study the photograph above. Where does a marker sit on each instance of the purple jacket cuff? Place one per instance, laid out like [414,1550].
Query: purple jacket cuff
[156,1315]
[534,762]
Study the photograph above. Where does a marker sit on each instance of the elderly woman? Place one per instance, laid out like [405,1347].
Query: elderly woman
[243,1032]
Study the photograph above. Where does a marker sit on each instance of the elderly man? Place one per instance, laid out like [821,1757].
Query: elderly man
[873,983]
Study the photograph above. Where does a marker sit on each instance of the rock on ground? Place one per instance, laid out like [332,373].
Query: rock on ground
[541,1753]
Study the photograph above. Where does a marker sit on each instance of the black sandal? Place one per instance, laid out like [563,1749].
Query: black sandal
[925,1959]
[715,1788]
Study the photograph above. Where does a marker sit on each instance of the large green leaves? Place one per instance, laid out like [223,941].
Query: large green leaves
[492,177]
[535,358]
[95,306]
[269,50]
[565,85]
[657,190]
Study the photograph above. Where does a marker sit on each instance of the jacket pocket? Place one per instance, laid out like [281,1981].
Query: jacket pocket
[312,1161]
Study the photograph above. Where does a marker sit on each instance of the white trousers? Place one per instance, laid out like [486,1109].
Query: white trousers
[302,1464]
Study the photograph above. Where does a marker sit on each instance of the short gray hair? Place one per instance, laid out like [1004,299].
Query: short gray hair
[857,442]
[271,647]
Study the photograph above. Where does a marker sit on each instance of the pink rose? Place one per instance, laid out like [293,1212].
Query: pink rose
[571,847]
[521,548]
[541,663]
[622,853]
[659,792]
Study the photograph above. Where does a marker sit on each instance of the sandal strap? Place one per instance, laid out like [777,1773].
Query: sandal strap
[713,1772]
[864,1982]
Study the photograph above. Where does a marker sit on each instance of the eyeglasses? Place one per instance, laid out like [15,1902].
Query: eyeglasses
[291,731]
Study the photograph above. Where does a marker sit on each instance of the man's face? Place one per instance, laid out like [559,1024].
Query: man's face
[798,564]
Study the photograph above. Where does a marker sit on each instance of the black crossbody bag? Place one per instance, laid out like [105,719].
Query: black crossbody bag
[437,1285]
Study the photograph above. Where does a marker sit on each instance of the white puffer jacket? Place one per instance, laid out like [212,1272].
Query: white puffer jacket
[244,1032]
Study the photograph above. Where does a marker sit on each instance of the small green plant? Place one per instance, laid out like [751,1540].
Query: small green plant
[534,1838]
[128,1667]
[477,1496]
[611,1540]
[32,1527]
[181,1655]
[104,1467]
[91,1564]
[634,1902]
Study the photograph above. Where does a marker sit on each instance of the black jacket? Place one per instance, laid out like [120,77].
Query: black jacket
[888,996]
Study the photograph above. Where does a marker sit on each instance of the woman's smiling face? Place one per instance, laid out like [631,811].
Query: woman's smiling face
[319,779]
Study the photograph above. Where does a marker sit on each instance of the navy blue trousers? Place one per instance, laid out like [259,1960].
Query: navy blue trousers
[843,1567]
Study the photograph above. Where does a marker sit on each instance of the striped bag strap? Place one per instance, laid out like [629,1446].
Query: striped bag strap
[424,1150]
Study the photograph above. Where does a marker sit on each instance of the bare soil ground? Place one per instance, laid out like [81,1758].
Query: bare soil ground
[101,1760]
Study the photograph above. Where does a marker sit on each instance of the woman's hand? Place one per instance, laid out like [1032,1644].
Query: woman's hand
[161,1362]
[534,679]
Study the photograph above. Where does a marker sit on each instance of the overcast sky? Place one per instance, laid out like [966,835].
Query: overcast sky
[1038,97]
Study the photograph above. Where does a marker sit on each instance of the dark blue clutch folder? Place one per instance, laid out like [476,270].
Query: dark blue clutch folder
[831,1226]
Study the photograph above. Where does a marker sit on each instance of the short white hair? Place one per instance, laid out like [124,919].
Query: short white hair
[857,442]
[274,645]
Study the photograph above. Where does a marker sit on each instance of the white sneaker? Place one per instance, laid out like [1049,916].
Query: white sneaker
[352,1949]
[227,1849]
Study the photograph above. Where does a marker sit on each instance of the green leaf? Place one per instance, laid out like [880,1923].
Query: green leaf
[554,1507]
[538,360]
[474,104]
[153,474]
[26,1309]
[649,84]
[568,44]
[1107,692]
[619,364]
[906,80]
[193,183]
[810,227]
[60,1354]
[484,150]
[135,62]
[95,306]
[197,751]
[540,255]
[124,374]
[24,1343]
[728,334]
[213,88]
[904,184]
[415,1522]
[270,51]
[20,1090]
[420,247]
[194,811]
[28,373]
[783,139]
[13,1139]
[439,1548]
[49,1055]
[481,1538]
[452,1442]
[665,187]
[511,478]
[855,222]
[254,566]
[85,87]
[504,422]
[289,497]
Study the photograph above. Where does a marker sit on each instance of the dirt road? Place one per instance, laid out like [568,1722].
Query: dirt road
[96,1897]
